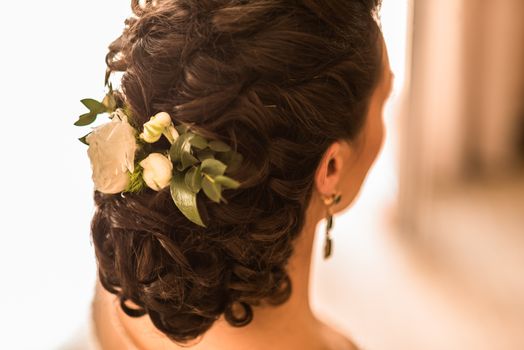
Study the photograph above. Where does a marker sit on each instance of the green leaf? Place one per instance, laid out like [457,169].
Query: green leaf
[94,106]
[219,146]
[106,79]
[85,119]
[187,160]
[193,179]
[180,145]
[83,139]
[205,154]
[212,167]
[211,189]
[231,158]
[185,199]
[234,161]
[226,181]
[181,128]
[109,102]
[199,142]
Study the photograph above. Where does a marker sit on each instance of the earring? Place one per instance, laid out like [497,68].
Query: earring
[329,202]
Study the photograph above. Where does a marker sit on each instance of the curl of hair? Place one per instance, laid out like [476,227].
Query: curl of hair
[279,81]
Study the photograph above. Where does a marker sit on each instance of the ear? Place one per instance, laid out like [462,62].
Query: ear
[328,174]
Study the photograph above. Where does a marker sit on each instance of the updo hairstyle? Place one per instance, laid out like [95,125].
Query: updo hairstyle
[277,80]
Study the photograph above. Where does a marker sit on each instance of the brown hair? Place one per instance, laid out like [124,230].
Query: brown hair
[278,80]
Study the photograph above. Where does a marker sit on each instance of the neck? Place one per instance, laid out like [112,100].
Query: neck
[294,317]
[298,268]
[274,326]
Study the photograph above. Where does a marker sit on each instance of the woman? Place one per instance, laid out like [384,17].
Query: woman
[297,89]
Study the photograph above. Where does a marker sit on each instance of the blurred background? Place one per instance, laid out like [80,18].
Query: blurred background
[428,257]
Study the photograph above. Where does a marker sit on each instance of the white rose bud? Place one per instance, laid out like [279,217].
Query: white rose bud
[155,127]
[112,148]
[158,171]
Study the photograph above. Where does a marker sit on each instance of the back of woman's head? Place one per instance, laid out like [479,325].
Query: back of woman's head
[279,81]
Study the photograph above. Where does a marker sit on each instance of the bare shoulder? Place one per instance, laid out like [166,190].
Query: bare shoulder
[334,339]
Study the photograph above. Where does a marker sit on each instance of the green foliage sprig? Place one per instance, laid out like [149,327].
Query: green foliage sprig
[198,164]
[107,105]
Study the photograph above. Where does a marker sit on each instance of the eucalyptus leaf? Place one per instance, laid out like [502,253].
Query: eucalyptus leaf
[180,145]
[193,179]
[187,160]
[83,139]
[181,128]
[205,154]
[85,119]
[107,75]
[94,106]
[198,141]
[224,157]
[109,102]
[235,159]
[226,181]
[211,189]
[213,167]
[219,146]
[185,199]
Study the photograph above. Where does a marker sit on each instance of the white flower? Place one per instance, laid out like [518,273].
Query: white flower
[156,126]
[157,171]
[112,148]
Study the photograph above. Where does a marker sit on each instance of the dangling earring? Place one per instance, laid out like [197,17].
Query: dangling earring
[329,202]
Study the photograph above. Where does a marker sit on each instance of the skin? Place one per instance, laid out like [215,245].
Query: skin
[292,325]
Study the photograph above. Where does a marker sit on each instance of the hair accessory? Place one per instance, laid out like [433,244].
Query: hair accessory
[122,159]
[329,202]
